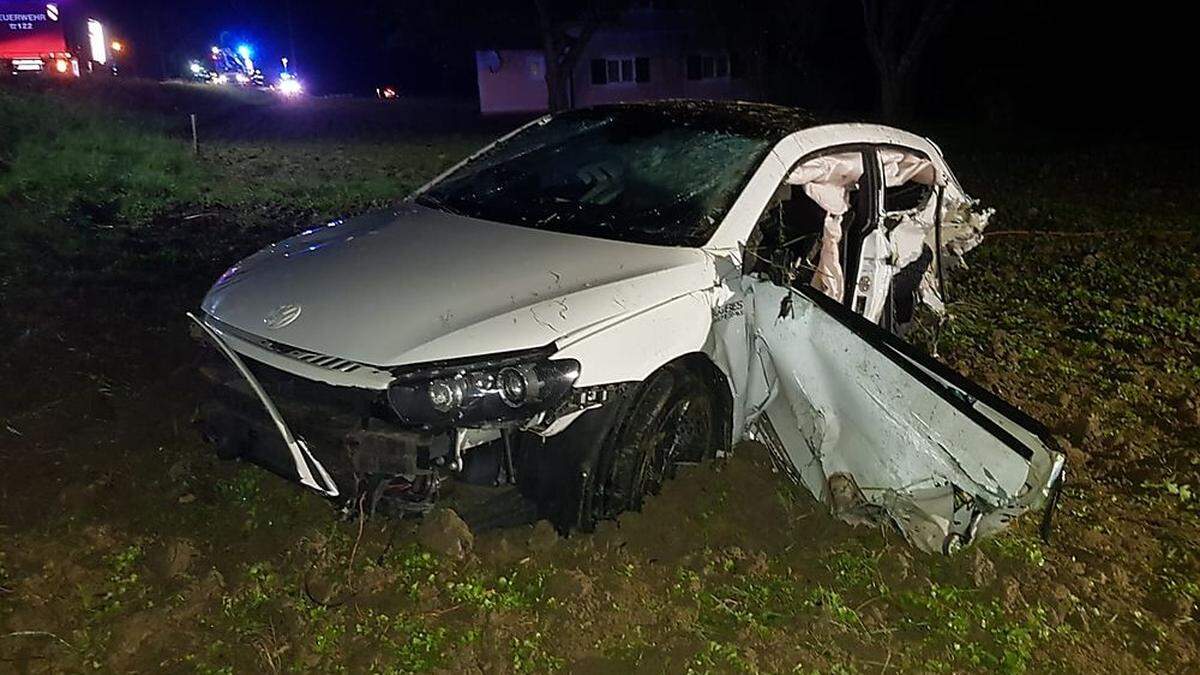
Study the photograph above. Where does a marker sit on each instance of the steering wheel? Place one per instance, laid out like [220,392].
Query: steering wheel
[603,181]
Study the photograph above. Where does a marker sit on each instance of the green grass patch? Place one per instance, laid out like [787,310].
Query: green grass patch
[958,628]
[64,159]
[90,192]
[519,589]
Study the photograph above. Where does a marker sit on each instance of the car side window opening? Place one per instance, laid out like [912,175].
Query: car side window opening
[906,197]
[820,227]
[785,240]
[802,235]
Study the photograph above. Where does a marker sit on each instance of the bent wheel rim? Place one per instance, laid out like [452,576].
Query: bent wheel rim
[681,433]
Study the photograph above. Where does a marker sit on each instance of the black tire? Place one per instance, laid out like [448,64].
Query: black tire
[609,459]
[674,417]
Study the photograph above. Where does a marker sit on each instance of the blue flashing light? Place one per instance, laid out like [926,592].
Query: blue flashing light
[244,51]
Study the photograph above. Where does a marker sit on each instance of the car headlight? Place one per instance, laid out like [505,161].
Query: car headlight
[492,390]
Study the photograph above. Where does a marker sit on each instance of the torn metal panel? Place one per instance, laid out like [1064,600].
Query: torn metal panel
[961,229]
[848,405]
[901,238]
[963,223]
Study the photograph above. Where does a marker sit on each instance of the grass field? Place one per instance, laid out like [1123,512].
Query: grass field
[125,546]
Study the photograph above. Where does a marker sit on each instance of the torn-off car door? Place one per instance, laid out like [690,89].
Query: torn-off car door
[878,431]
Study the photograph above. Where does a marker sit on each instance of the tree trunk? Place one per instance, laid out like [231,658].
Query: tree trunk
[896,54]
[562,50]
[893,96]
[557,96]
[554,94]
[557,88]
[553,45]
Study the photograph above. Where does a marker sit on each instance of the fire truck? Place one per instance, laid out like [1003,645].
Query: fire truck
[53,39]
[228,66]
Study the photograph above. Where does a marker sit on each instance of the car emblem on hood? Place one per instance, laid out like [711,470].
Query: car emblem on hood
[281,316]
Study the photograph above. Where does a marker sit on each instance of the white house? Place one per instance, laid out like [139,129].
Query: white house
[648,54]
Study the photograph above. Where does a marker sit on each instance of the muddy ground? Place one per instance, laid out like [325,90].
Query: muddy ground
[126,546]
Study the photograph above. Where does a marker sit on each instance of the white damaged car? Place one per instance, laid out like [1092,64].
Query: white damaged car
[605,294]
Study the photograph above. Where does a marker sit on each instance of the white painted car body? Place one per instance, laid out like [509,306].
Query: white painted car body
[869,426]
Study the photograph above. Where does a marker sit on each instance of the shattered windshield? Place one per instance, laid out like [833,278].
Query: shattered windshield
[638,175]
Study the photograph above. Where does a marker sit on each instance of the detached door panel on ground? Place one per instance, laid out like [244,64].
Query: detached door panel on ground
[879,431]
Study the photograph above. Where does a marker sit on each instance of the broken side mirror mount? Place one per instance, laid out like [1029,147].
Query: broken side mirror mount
[1052,505]
[937,238]
[955,542]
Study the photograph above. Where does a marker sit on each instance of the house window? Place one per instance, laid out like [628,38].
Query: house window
[624,69]
[708,66]
[535,67]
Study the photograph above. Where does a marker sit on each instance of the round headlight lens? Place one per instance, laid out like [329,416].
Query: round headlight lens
[445,395]
[513,386]
[482,394]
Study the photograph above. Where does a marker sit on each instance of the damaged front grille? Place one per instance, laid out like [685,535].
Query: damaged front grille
[311,408]
[319,360]
[304,400]
[352,431]
[322,361]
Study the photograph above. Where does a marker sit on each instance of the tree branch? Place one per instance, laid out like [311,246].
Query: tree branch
[574,47]
[932,19]
[549,35]
[872,38]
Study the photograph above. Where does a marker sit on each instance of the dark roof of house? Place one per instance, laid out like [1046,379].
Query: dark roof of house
[764,120]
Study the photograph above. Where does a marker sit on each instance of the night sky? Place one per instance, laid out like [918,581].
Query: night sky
[1064,64]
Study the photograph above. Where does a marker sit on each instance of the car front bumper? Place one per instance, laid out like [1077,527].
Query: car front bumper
[328,438]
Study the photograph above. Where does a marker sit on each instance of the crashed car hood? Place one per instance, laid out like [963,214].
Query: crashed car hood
[418,284]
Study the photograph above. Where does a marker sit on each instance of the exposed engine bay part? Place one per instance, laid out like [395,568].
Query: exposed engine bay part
[380,467]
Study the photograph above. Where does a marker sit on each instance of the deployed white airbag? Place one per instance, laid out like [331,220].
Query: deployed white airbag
[828,180]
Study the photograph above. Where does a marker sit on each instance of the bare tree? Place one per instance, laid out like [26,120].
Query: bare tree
[773,40]
[563,42]
[897,33]
[795,28]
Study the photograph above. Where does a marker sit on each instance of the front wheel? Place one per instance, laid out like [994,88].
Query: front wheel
[607,461]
